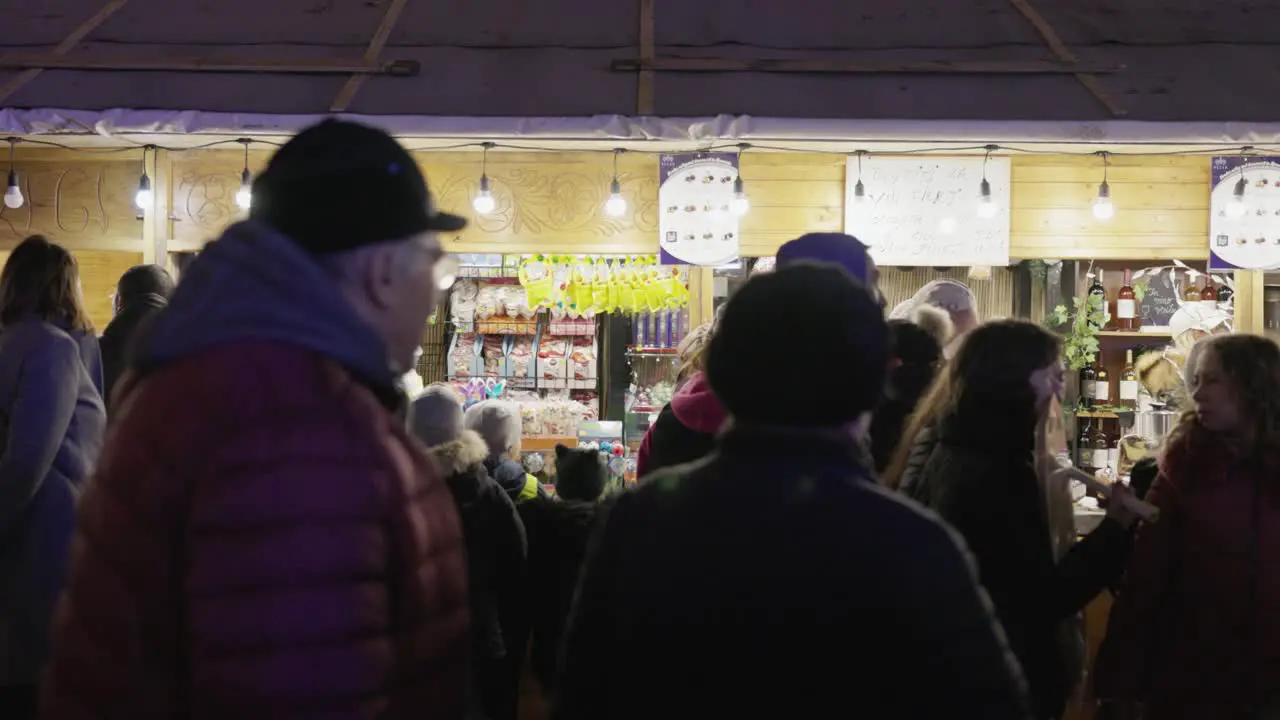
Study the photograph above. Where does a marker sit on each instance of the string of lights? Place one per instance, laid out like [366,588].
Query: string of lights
[484,203]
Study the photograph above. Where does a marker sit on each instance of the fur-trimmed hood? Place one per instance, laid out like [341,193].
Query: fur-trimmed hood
[458,456]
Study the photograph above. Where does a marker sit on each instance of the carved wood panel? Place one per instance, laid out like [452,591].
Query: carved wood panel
[77,200]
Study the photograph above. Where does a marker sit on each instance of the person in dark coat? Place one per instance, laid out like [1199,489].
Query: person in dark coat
[982,478]
[776,578]
[496,548]
[915,356]
[141,292]
[262,537]
[558,529]
[51,427]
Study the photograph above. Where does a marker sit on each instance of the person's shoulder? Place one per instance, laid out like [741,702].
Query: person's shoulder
[38,337]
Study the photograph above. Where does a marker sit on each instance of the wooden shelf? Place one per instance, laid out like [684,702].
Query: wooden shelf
[1161,333]
[1100,414]
[546,443]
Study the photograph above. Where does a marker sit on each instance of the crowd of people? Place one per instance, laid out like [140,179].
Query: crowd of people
[227,506]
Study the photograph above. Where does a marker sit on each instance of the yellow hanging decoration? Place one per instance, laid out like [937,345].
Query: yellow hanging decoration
[580,294]
[600,286]
[538,280]
[623,278]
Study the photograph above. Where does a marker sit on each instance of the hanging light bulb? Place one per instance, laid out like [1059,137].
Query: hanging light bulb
[1103,209]
[244,196]
[860,190]
[616,205]
[143,197]
[13,194]
[1236,208]
[987,207]
[740,205]
[483,203]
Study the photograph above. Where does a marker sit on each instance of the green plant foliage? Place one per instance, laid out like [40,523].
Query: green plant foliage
[1080,338]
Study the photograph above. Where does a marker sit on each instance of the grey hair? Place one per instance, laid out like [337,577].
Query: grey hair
[497,422]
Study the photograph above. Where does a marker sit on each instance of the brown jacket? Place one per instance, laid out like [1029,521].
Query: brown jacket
[261,540]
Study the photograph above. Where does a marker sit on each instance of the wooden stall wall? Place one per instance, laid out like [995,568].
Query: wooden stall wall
[84,202]
[553,202]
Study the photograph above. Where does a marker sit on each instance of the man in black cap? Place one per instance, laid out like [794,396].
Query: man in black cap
[776,578]
[262,537]
[141,292]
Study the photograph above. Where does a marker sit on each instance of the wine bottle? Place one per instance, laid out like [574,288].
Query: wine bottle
[1098,302]
[1128,382]
[1127,305]
[1209,294]
[1101,454]
[1225,293]
[1101,382]
[1190,293]
[1084,448]
[1088,386]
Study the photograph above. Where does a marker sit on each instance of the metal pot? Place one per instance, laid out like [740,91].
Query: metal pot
[1155,425]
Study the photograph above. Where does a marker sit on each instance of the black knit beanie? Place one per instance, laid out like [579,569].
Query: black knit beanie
[805,346]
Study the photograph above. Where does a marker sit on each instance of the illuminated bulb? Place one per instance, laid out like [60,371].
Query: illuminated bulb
[1103,209]
[143,198]
[483,203]
[615,206]
[947,225]
[13,195]
[740,204]
[987,208]
[244,196]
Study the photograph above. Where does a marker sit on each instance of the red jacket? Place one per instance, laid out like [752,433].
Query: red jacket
[261,538]
[1195,631]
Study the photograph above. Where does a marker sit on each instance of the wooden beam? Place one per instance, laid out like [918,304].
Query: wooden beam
[46,61]
[1065,54]
[63,47]
[644,83]
[376,44]
[946,67]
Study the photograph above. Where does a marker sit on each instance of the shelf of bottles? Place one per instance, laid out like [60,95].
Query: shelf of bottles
[1109,387]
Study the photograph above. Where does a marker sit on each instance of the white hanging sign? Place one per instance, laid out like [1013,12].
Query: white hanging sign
[926,211]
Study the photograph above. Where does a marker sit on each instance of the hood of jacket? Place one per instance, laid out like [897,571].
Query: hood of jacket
[255,284]
[697,408]
[459,456]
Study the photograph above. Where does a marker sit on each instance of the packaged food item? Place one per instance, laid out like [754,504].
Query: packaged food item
[520,358]
[515,302]
[494,355]
[582,358]
[551,357]
[462,301]
[487,302]
[462,355]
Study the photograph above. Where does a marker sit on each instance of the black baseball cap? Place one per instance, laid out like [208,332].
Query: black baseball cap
[339,185]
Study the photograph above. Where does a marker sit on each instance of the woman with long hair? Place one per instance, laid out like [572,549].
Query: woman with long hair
[686,428]
[982,477]
[1195,631]
[51,425]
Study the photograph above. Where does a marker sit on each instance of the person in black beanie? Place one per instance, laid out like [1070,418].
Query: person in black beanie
[141,292]
[776,578]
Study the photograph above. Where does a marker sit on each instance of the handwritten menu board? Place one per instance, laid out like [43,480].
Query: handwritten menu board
[924,211]
[1161,300]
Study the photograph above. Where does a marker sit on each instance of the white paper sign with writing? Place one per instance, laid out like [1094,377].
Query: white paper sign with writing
[924,211]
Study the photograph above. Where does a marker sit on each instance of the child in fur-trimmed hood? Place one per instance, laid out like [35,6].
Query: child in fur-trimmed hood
[496,550]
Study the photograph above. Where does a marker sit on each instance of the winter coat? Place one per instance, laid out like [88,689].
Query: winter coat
[685,429]
[777,579]
[118,338]
[496,552]
[262,538]
[1195,631]
[51,426]
[558,533]
[981,478]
